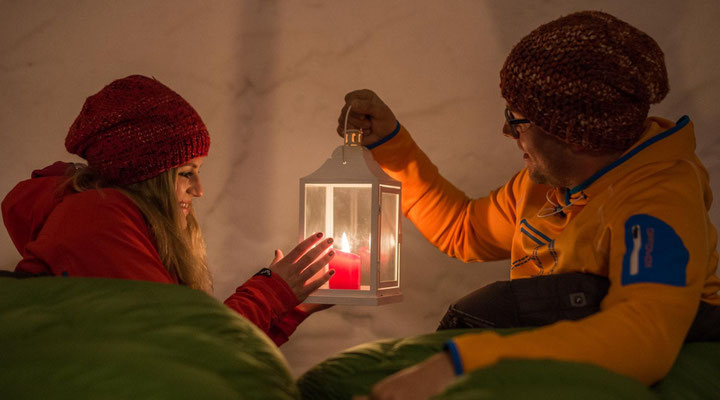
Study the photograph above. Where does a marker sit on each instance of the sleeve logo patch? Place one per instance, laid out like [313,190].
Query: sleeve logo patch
[654,253]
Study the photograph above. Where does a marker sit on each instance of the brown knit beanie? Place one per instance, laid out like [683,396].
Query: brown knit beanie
[136,128]
[587,79]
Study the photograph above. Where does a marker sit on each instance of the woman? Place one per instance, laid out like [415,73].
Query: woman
[128,214]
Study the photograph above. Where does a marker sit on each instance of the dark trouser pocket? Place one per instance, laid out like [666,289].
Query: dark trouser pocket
[706,327]
[544,300]
[528,302]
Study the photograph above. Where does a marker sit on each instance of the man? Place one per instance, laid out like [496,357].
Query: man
[607,197]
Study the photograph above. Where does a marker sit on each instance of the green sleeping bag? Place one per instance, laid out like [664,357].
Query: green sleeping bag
[85,338]
[695,375]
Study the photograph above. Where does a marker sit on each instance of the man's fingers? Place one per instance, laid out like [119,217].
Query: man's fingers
[303,247]
[363,94]
[362,101]
[362,107]
[357,119]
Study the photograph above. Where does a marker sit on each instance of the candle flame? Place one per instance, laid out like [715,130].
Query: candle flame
[345,245]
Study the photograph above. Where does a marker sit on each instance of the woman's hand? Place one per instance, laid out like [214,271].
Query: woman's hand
[311,308]
[369,113]
[299,267]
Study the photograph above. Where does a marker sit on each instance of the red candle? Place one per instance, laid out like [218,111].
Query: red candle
[347,271]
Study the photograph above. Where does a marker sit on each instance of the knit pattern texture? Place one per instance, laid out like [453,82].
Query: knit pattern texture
[137,128]
[587,79]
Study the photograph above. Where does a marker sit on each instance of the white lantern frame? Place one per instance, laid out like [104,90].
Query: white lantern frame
[353,166]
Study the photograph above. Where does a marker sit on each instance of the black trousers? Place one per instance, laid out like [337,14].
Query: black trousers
[546,299]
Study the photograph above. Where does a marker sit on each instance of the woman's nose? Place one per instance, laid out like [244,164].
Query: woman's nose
[195,188]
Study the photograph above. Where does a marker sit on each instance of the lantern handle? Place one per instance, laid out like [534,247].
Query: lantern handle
[347,115]
[354,136]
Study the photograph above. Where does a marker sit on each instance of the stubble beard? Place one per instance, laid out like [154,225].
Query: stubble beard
[549,176]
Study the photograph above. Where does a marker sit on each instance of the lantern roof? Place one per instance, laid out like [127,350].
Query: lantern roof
[352,164]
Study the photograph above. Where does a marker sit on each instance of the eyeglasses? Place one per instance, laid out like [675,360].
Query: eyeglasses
[512,121]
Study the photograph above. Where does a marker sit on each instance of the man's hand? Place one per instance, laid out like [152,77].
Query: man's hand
[369,113]
[302,264]
[418,382]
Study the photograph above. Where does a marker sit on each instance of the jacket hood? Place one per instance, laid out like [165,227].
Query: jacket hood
[28,205]
[662,141]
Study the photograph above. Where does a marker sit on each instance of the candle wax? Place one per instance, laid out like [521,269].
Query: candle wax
[347,271]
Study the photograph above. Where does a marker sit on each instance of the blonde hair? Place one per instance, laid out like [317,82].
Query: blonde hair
[180,245]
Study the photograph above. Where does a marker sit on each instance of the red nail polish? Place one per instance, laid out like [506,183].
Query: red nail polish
[332,272]
[332,253]
[319,234]
[330,241]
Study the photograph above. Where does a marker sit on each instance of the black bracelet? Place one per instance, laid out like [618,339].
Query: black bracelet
[264,272]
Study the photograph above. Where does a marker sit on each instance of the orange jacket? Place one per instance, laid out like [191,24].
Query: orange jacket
[643,223]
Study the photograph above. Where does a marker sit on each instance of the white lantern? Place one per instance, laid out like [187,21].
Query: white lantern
[351,199]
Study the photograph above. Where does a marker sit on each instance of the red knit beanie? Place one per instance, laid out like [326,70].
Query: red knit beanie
[136,128]
[587,79]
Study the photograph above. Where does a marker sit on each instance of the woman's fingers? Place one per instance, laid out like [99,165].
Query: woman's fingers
[314,285]
[303,247]
[278,256]
[314,253]
[301,266]
[315,267]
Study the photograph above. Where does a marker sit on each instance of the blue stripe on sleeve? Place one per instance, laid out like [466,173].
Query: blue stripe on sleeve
[451,348]
[386,138]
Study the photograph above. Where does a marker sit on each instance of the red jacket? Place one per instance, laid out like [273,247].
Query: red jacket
[103,234]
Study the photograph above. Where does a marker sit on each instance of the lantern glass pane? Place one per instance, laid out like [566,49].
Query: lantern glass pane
[352,224]
[389,210]
[342,211]
[314,209]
